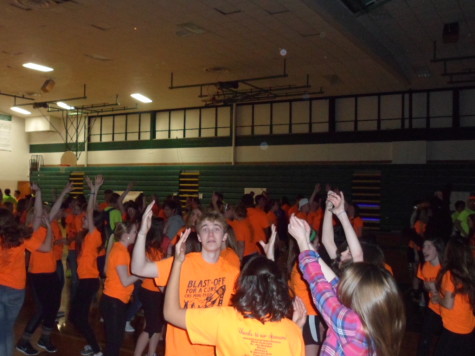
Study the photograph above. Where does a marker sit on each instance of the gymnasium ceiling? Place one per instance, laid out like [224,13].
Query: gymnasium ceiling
[118,47]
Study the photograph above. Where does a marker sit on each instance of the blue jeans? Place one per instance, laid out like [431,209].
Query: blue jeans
[11,301]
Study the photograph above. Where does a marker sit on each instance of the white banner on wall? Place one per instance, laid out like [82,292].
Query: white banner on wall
[5,132]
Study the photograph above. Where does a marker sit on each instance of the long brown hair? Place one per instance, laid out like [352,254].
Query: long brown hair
[458,260]
[12,234]
[373,294]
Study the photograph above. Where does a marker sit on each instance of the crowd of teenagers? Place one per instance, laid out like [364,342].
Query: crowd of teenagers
[262,277]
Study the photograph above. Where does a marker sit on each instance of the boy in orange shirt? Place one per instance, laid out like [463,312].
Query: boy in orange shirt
[255,324]
[206,278]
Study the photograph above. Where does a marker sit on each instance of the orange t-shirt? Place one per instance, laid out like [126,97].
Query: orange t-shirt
[113,287]
[428,273]
[42,262]
[259,223]
[285,208]
[149,283]
[460,318]
[315,219]
[12,262]
[231,256]
[202,285]
[358,224]
[293,210]
[87,258]
[300,287]
[103,206]
[74,224]
[232,334]
[57,236]
[243,232]
[301,215]
[272,218]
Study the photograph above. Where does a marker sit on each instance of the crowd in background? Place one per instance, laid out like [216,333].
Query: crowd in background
[220,279]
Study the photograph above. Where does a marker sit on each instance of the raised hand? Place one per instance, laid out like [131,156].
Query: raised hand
[338,202]
[98,181]
[299,315]
[300,231]
[89,183]
[147,219]
[180,246]
[68,188]
[268,247]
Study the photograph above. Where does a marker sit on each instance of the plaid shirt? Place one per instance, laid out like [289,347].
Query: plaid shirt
[345,335]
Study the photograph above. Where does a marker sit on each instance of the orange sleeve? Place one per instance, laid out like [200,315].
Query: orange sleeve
[301,289]
[36,240]
[164,268]
[272,218]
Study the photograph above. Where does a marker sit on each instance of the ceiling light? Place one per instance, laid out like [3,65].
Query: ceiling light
[20,110]
[64,106]
[39,67]
[141,98]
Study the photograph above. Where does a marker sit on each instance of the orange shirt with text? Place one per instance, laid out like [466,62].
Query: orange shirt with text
[233,334]
[202,285]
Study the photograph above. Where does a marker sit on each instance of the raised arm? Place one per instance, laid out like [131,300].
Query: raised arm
[269,248]
[328,236]
[94,188]
[59,201]
[38,207]
[47,244]
[125,278]
[214,202]
[338,201]
[141,266]
[316,190]
[172,310]
[300,231]
[122,197]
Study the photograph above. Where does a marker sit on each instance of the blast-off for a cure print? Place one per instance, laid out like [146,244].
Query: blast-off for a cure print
[205,293]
